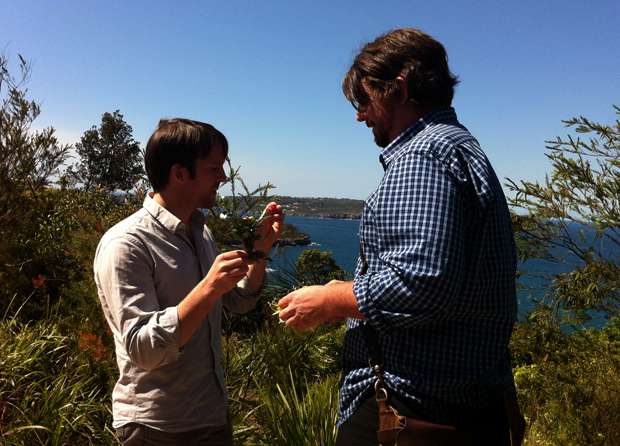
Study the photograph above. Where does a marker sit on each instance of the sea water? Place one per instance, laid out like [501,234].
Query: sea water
[341,238]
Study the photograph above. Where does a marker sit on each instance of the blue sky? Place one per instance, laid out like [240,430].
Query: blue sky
[268,75]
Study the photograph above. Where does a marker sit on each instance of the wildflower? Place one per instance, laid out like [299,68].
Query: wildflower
[39,284]
[93,345]
[277,310]
[223,216]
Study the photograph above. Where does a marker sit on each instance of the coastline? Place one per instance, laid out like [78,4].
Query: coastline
[328,217]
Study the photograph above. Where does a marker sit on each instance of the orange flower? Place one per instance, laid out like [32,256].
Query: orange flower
[39,284]
[92,344]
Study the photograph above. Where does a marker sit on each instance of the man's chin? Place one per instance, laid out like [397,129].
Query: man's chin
[381,141]
[207,204]
[210,202]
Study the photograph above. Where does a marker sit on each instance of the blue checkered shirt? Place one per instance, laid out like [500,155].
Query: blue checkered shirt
[440,286]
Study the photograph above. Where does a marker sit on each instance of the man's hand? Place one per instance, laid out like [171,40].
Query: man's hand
[227,270]
[305,308]
[313,305]
[271,229]
[270,232]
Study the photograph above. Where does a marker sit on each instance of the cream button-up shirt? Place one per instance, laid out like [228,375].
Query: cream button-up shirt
[144,267]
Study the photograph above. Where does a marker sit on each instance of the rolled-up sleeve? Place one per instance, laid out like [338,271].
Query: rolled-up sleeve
[242,299]
[124,272]
[413,240]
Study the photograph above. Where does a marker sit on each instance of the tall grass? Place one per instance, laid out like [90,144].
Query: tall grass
[52,391]
[274,356]
[55,388]
[289,417]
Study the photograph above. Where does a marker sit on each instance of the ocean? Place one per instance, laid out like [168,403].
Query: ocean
[340,237]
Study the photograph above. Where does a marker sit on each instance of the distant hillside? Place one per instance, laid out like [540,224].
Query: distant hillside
[291,236]
[342,208]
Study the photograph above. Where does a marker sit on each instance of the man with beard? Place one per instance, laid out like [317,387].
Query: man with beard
[433,302]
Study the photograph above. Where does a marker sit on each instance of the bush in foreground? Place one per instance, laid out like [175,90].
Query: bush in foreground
[54,388]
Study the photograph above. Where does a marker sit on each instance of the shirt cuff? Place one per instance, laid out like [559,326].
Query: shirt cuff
[245,288]
[366,304]
[157,343]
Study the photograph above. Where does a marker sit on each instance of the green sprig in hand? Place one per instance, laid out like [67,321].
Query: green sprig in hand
[246,226]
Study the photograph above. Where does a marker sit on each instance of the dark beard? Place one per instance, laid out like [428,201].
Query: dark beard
[382,140]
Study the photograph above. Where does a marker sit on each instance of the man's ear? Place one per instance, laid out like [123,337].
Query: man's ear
[404,90]
[179,174]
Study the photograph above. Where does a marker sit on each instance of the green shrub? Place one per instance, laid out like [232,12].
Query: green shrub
[54,388]
[289,418]
[569,385]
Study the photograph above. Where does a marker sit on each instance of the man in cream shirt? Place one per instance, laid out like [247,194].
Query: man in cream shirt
[162,283]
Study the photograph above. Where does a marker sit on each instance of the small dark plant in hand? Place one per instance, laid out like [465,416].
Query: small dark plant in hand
[245,227]
[236,217]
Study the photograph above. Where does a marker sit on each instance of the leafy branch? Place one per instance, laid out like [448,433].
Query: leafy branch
[576,211]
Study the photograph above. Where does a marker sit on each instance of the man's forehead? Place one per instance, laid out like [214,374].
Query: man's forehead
[216,155]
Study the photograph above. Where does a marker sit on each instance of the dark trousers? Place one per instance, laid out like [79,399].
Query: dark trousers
[134,434]
[360,429]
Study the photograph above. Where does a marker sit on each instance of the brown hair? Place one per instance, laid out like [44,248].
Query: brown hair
[179,141]
[408,53]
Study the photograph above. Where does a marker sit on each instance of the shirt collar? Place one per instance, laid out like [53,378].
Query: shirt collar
[442,115]
[167,219]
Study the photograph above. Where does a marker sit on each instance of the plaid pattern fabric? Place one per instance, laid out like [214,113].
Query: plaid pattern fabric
[440,288]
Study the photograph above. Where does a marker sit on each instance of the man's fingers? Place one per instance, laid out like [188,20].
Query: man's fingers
[234,259]
[241,270]
[233,255]
[283,303]
[297,325]
[274,212]
[286,313]
[270,210]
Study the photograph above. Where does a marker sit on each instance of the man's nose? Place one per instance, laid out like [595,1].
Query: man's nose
[222,175]
[361,114]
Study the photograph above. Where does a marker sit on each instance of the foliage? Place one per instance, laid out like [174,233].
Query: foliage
[234,230]
[569,386]
[229,231]
[54,388]
[110,159]
[568,377]
[261,353]
[245,227]
[257,361]
[314,267]
[576,210]
[56,247]
[289,418]
[314,352]
[266,355]
[28,158]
